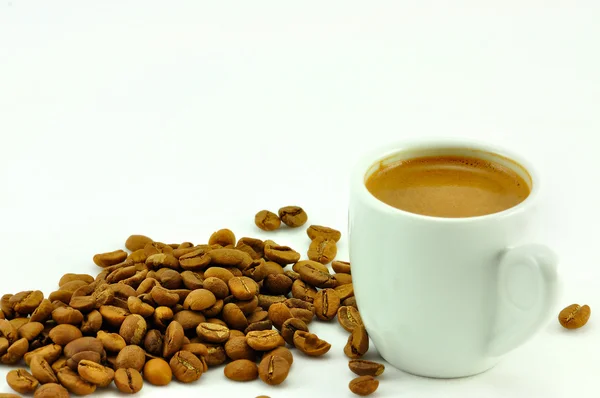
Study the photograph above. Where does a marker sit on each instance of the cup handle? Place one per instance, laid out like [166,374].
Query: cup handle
[527,291]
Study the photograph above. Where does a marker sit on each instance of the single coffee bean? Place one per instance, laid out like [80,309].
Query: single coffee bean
[254,247]
[216,355]
[278,314]
[66,278]
[30,330]
[121,274]
[305,315]
[162,260]
[314,275]
[212,333]
[128,381]
[151,248]
[112,315]
[173,339]
[82,303]
[137,306]
[195,260]
[60,363]
[289,328]
[266,301]
[327,303]
[257,326]
[26,302]
[364,385]
[21,381]
[51,390]
[322,250]
[214,310]
[223,237]
[110,258]
[344,291]
[8,331]
[122,290]
[92,323]
[218,272]
[258,315]
[64,334]
[230,258]
[247,306]
[93,356]
[42,371]
[282,255]
[169,279]
[574,316]
[242,287]
[50,353]
[264,340]
[350,302]
[349,318]
[198,349]
[273,369]
[283,352]
[147,285]
[341,267]
[15,352]
[238,348]
[241,370]
[19,322]
[162,296]
[217,286]
[310,344]
[137,242]
[358,343]
[75,384]
[186,367]
[315,231]
[132,356]
[362,367]
[157,372]
[61,296]
[95,373]
[342,279]
[302,291]
[153,343]
[234,317]
[199,299]
[43,312]
[293,275]
[277,284]
[293,216]
[67,315]
[266,220]
[189,319]
[133,329]
[83,344]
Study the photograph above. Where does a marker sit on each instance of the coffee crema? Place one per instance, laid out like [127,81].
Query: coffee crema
[448,186]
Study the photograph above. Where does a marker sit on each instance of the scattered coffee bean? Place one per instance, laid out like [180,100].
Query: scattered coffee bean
[349,318]
[315,231]
[30,330]
[137,242]
[266,220]
[42,371]
[157,372]
[362,367]
[574,316]
[95,373]
[75,384]
[186,366]
[364,385]
[273,369]
[241,370]
[64,334]
[283,352]
[173,340]
[293,216]
[222,237]
[129,380]
[322,250]
[289,328]
[358,343]
[110,258]
[341,267]
[132,356]
[51,390]
[327,303]
[212,333]
[264,340]
[21,381]
[310,343]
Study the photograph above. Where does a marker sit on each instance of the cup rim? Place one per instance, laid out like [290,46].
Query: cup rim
[370,158]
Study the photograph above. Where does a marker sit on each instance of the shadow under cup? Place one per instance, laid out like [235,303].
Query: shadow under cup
[426,286]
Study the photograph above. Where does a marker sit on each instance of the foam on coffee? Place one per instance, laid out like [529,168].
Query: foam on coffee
[448,186]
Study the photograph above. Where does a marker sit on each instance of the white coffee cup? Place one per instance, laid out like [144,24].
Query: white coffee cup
[447,297]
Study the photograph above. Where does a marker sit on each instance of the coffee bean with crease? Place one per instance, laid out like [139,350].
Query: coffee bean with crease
[128,381]
[358,343]
[289,328]
[273,370]
[173,339]
[186,367]
[327,303]
[51,390]
[42,371]
[21,381]
[95,373]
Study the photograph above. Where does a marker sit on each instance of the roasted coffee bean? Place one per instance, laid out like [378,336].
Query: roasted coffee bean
[64,334]
[264,340]
[128,381]
[266,220]
[238,348]
[137,242]
[42,312]
[257,326]
[195,260]
[157,372]
[50,353]
[181,251]
[83,344]
[80,356]
[350,302]
[342,279]
[192,280]
[198,349]
[327,303]
[214,310]
[341,267]
[289,328]
[241,370]
[277,284]
[221,273]
[92,323]
[273,369]
[304,315]
[574,316]
[266,301]
[234,317]
[186,367]
[3,345]
[189,319]
[95,373]
[344,291]
[110,258]
[283,352]
[310,343]
[132,356]
[30,330]
[279,313]
[242,287]
[162,260]
[169,279]
[364,385]
[111,342]
[26,302]
[223,237]
[9,395]
[82,303]
[247,306]
[122,290]
[257,270]
[349,318]
[162,316]
[217,286]
[75,384]
[199,299]
[212,333]
[137,306]
[51,390]
[121,274]
[282,255]
[147,285]
[302,291]
[315,231]
[358,343]
[152,248]
[42,371]
[322,250]
[67,315]
[133,329]
[21,381]
[153,343]
[137,256]
[366,368]
[230,257]
[257,316]
[314,275]
[15,352]
[293,216]
[216,355]
[60,296]
[8,331]
[173,339]
[135,280]
[18,322]
[293,275]
[254,247]
[114,316]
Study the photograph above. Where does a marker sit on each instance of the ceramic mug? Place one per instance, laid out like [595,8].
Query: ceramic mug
[447,297]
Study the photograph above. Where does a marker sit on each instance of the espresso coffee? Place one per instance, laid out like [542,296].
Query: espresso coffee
[448,186]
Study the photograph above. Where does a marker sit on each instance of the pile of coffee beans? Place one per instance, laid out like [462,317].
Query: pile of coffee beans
[159,312]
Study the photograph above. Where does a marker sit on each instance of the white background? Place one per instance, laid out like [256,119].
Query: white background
[177,120]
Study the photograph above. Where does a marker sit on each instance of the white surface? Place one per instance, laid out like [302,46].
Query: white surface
[482,285]
[174,121]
